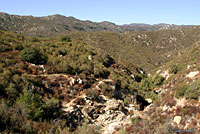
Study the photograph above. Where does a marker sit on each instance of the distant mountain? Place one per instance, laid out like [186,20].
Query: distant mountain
[51,25]
[155,27]
[55,25]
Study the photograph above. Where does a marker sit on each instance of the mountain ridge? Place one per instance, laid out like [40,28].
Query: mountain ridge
[54,25]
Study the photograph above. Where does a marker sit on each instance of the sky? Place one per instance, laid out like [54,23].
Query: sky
[117,11]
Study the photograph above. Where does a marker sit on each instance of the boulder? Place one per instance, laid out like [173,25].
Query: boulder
[177,119]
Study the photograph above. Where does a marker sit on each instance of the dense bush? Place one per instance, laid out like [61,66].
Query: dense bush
[33,55]
[30,105]
[146,83]
[101,71]
[65,39]
[151,82]
[192,91]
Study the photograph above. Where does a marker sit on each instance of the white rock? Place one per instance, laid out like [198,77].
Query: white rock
[192,74]
[132,76]
[141,71]
[111,105]
[165,108]
[149,100]
[177,119]
[181,102]
[165,74]
[72,81]
[80,81]
[90,57]
[111,127]
[188,67]
[168,55]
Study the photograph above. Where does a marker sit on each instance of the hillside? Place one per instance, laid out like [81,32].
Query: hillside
[56,25]
[149,49]
[42,78]
[177,107]
[65,85]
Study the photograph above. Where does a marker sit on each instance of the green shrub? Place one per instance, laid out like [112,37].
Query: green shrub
[51,108]
[62,52]
[100,71]
[151,95]
[11,91]
[4,48]
[30,105]
[18,47]
[78,28]
[65,39]
[35,39]
[151,82]
[191,91]
[174,69]
[181,91]
[33,55]
[146,83]
[158,80]
[107,90]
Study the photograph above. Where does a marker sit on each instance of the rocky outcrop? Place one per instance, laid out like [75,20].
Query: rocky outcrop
[110,114]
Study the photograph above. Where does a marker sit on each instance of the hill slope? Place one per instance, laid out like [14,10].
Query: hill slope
[42,79]
[149,49]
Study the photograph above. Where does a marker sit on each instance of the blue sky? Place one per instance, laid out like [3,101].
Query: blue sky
[117,11]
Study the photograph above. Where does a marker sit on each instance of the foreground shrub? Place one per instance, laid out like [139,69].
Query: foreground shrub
[30,105]
[33,55]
